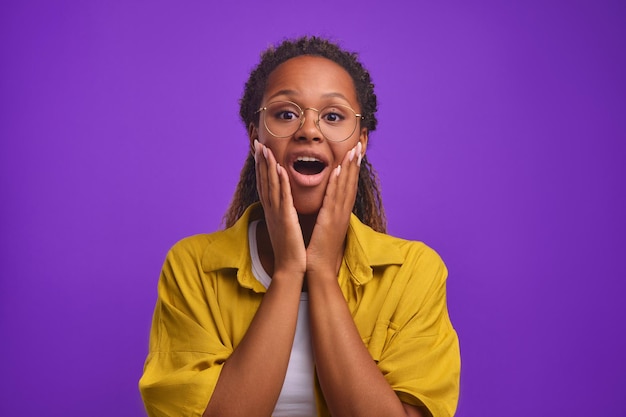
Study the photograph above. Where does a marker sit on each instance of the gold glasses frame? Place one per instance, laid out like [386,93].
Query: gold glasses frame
[302,118]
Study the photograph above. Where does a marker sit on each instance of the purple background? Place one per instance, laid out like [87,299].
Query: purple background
[501,144]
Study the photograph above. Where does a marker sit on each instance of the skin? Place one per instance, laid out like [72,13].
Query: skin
[301,243]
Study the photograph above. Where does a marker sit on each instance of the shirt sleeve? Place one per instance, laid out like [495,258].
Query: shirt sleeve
[187,340]
[420,358]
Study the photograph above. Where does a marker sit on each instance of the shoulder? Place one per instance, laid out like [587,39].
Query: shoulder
[213,250]
[183,261]
[196,263]
[222,243]
[411,248]
[421,265]
[384,249]
[190,247]
[192,243]
[418,253]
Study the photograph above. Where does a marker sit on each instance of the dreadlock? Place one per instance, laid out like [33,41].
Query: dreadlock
[368,205]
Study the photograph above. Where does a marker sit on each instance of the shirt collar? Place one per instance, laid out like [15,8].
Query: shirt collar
[229,249]
[365,250]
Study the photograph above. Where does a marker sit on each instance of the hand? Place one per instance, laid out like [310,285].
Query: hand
[325,251]
[281,216]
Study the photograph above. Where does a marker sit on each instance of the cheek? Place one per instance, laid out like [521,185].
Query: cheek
[276,146]
[266,139]
[341,151]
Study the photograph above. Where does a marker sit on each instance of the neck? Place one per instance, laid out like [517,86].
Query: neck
[307,223]
[264,244]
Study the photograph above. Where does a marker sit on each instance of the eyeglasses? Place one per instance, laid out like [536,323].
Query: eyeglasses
[337,122]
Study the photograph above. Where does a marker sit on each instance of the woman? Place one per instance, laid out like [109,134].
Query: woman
[302,307]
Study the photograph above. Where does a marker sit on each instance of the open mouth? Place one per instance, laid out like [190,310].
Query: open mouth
[306,165]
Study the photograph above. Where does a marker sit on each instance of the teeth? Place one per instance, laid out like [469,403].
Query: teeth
[307,159]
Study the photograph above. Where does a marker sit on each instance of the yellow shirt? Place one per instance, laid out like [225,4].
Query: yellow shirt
[207,297]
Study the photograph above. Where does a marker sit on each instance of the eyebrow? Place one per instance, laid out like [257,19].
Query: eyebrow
[283,93]
[337,95]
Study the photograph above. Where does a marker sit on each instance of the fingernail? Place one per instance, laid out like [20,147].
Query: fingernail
[337,170]
[265,151]
[359,148]
[352,152]
[359,159]
[278,169]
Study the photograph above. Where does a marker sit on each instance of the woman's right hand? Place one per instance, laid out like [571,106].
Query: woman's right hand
[281,217]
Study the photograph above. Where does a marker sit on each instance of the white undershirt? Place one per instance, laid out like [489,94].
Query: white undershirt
[297,397]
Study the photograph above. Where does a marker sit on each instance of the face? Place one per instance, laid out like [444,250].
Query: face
[308,157]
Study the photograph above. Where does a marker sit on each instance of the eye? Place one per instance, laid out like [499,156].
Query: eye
[333,115]
[283,111]
[286,115]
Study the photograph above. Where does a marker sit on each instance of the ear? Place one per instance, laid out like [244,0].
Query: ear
[253,134]
[363,137]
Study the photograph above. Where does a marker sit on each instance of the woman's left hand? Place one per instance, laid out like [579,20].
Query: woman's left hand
[325,250]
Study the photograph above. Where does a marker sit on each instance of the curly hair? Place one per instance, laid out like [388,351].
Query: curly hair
[368,205]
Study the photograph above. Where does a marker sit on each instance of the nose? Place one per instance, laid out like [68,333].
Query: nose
[309,127]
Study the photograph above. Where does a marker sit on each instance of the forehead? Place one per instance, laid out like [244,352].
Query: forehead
[311,77]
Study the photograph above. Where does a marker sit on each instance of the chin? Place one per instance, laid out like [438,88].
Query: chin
[307,206]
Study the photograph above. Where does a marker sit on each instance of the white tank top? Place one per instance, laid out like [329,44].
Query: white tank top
[297,397]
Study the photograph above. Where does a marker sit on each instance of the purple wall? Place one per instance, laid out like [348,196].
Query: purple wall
[502,144]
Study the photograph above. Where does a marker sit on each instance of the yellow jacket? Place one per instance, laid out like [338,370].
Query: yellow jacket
[207,297]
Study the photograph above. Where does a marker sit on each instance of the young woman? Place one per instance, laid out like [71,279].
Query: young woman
[303,306]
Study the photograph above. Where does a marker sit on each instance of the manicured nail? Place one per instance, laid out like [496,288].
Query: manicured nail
[359,148]
[358,160]
[265,151]
[256,147]
[337,170]
[352,152]
[278,169]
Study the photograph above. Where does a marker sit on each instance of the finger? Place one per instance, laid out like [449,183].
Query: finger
[352,180]
[273,181]
[257,169]
[285,187]
[348,181]
[261,173]
[360,154]
[331,189]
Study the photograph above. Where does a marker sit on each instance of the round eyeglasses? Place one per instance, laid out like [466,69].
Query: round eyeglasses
[282,119]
